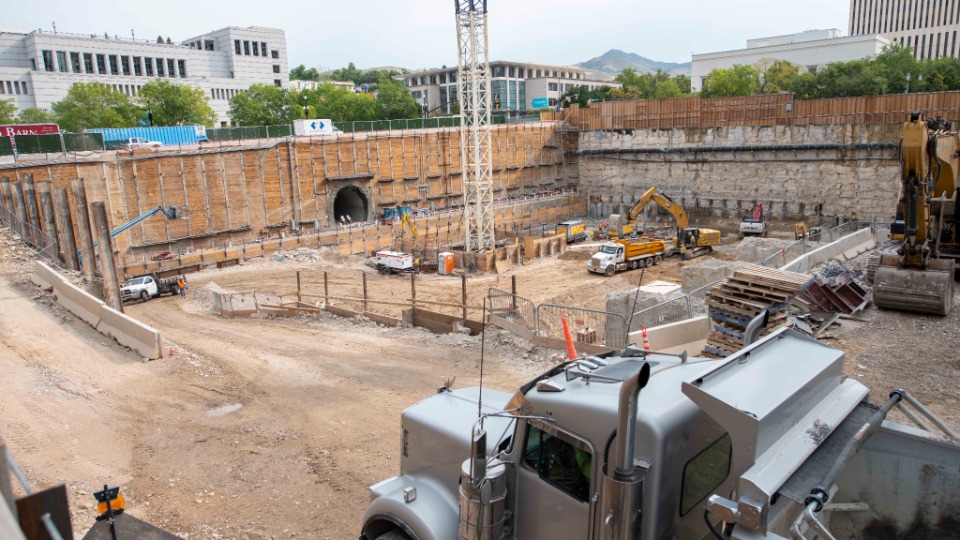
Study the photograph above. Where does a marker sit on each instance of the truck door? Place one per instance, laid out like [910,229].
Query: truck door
[555,484]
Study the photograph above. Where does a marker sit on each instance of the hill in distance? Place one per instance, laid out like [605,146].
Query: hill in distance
[612,62]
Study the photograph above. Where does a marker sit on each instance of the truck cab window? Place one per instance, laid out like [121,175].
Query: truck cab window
[704,473]
[563,463]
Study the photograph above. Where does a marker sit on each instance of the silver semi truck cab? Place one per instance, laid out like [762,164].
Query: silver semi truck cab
[651,446]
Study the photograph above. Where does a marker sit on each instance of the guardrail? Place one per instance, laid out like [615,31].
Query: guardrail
[586,325]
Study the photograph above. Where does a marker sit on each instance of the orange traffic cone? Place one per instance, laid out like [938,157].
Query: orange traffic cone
[571,350]
[646,340]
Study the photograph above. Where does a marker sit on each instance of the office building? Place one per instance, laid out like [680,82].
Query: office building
[812,50]
[928,28]
[38,68]
[513,86]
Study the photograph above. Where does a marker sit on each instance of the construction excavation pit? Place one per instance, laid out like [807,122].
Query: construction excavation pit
[260,317]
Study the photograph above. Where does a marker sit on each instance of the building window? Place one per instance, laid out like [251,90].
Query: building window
[256,50]
[148,66]
[182,68]
[114,66]
[125,64]
[236,46]
[48,60]
[159,67]
[137,67]
[497,71]
[453,77]
[3,89]
[277,83]
[443,78]
[274,54]
[16,87]
[62,61]
[246,48]
[213,94]
[538,74]
[263,49]
[75,62]
[171,68]
[101,64]
[9,87]
[207,45]
[552,86]
[23,85]
[512,71]
[276,68]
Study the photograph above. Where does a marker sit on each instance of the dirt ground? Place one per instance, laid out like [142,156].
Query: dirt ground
[274,428]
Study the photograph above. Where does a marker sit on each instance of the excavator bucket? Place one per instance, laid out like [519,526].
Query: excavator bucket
[927,291]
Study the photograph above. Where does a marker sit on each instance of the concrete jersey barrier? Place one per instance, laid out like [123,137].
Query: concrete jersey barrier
[845,248]
[124,329]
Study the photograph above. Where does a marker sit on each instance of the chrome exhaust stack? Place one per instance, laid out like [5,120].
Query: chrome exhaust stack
[483,494]
[621,492]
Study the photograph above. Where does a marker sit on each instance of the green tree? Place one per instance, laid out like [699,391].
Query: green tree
[342,105]
[893,65]
[175,104]
[775,76]
[848,79]
[394,100]
[739,80]
[263,105]
[94,105]
[159,38]
[7,111]
[33,115]
[301,73]
[657,85]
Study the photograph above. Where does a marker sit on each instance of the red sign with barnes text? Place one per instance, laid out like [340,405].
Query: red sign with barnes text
[10,130]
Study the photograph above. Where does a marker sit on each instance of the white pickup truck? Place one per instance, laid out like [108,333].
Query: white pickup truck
[134,143]
[146,287]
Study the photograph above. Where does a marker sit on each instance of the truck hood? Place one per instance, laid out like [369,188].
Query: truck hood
[437,432]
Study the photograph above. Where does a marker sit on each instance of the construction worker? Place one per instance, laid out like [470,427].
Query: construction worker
[182,286]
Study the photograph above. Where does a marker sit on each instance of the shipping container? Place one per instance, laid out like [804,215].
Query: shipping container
[168,135]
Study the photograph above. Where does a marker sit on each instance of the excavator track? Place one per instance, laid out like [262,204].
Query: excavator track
[927,291]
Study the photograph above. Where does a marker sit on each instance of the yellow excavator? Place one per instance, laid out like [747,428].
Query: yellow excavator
[690,242]
[920,276]
[406,220]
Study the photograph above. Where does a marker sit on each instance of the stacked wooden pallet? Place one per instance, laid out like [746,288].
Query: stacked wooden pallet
[733,302]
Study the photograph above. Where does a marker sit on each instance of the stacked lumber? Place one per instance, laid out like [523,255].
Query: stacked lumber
[733,302]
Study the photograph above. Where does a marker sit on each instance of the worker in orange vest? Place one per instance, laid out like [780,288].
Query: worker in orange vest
[182,286]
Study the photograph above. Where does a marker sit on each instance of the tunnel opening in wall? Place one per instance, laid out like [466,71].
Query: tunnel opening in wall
[351,205]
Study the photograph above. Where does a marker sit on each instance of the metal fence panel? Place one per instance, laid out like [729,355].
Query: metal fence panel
[608,329]
[671,311]
[83,142]
[6,146]
[512,307]
[38,144]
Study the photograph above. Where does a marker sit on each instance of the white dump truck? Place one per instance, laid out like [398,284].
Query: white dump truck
[771,442]
[146,287]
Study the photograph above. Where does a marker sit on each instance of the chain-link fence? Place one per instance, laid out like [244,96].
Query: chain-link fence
[53,143]
[512,307]
[586,325]
[43,242]
[249,132]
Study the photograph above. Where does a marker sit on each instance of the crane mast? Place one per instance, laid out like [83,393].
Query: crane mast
[473,93]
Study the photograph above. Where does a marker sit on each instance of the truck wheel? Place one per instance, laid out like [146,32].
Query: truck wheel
[657,260]
[144,296]
[633,265]
[609,271]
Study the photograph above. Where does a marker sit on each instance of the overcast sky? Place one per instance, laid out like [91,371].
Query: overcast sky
[421,33]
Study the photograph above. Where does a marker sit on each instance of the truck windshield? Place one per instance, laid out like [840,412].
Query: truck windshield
[135,281]
[608,249]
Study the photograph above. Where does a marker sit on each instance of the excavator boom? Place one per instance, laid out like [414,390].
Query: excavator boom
[920,277]
[690,241]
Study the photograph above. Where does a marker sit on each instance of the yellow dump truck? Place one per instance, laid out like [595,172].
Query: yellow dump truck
[575,230]
[618,255]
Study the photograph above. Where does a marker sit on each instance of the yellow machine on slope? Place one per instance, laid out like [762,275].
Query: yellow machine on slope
[690,242]
[920,276]
[406,220]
